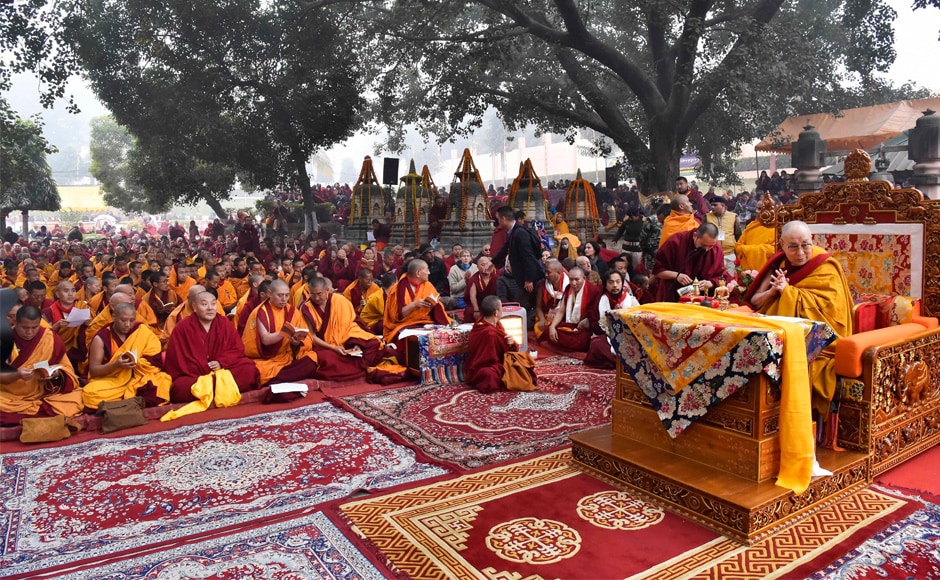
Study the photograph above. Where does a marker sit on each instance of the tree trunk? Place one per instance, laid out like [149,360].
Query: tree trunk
[663,169]
[303,181]
[216,206]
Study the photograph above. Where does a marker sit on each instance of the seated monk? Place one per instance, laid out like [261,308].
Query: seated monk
[336,347]
[373,314]
[56,315]
[480,285]
[617,295]
[160,298]
[257,293]
[412,302]
[269,341]
[359,292]
[804,281]
[680,219]
[186,308]
[124,361]
[577,315]
[204,343]
[488,345]
[755,246]
[25,392]
[548,294]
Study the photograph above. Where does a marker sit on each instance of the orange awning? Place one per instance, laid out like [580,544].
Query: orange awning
[855,129]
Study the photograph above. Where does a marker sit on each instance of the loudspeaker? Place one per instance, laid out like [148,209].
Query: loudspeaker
[613,177]
[390,171]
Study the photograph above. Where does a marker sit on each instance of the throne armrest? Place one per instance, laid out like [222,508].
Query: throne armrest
[850,350]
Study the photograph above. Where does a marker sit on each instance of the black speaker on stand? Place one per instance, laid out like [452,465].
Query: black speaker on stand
[390,171]
[613,177]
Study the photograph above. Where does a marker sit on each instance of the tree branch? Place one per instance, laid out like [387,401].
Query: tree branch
[686,53]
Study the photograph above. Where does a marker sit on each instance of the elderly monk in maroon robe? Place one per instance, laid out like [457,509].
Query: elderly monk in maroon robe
[480,285]
[577,314]
[488,345]
[336,348]
[686,257]
[203,343]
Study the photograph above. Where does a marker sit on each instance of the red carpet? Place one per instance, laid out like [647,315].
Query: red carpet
[920,475]
[109,496]
[460,426]
[541,518]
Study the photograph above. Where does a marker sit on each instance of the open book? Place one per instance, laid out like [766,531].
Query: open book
[165,304]
[45,369]
[292,330]
[434,298]
[133,354]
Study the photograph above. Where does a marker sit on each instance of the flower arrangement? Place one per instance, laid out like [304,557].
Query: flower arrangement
[742,278]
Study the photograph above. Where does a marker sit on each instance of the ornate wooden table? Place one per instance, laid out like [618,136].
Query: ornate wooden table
[710,451]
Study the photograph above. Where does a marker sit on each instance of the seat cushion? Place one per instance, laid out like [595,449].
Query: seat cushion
[849,350]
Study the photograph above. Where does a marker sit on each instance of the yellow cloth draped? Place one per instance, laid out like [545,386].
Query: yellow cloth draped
[394,321]
[26,396]
[269,367]
[796,431]
[374,310]
[299,293]
[227,295]
[677,222]
[372,290]
[96,302]
[560,228]
[822,295]
[755,246]
[225,393]
[105,317]
[182,289]
[123,383]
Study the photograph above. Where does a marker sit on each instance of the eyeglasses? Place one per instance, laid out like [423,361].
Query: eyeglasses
[804,247]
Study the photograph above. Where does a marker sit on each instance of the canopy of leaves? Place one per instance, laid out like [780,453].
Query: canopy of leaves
[213,88]
[656,76]
[25,178]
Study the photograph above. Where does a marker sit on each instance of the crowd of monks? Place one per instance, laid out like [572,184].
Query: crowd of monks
[167,325]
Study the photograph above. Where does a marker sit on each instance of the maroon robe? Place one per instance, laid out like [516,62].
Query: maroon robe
[482,292]
[191,348]
[679,254]
[483,368]
[570,337]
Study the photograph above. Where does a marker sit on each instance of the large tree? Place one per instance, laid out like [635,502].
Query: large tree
[210,88]
[25,178]
[658,77]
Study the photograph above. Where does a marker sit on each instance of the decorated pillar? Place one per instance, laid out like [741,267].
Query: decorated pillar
[581,208]
[467,200]
[923,148]
[368,197]
[526,193]
[808,152]
[414,199]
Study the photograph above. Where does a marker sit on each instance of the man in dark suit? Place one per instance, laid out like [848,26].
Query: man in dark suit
[523,249]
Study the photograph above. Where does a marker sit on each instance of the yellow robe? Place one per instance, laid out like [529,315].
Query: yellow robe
[228,297]
[105,317]
[123,383]
[25,397]
[823,295]
[340,327]
[755,246]
[675,223]
[371,291]
[374,310]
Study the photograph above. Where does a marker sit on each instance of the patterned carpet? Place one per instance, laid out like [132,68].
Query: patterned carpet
[89,500]
[460,426]
[309,548]
[542,518]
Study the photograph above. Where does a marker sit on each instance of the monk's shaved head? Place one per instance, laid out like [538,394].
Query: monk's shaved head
[554,266]
[415,265]
[280,285]
[119,298]
[64,285]
[319,282]
[795,228]
[124,308]
[125,289]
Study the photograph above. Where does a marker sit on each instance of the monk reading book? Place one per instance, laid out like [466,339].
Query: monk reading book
[412,302]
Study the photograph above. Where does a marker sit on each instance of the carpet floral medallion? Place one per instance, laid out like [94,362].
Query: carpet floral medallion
[909,548]
[310,547]
[459,425]
[79,502]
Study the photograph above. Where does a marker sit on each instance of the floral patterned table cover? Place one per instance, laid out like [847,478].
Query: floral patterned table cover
[758,351]
[441,354]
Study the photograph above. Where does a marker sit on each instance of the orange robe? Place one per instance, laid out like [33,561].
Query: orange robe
[105,317]
[228,297]
[124,383]
[402,294]
[336,324]
[26,397]
[357,298]
[675,223]
[272,358]
[182,290]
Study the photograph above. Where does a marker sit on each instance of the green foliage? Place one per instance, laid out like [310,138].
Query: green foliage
[25,178]
[657,77]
